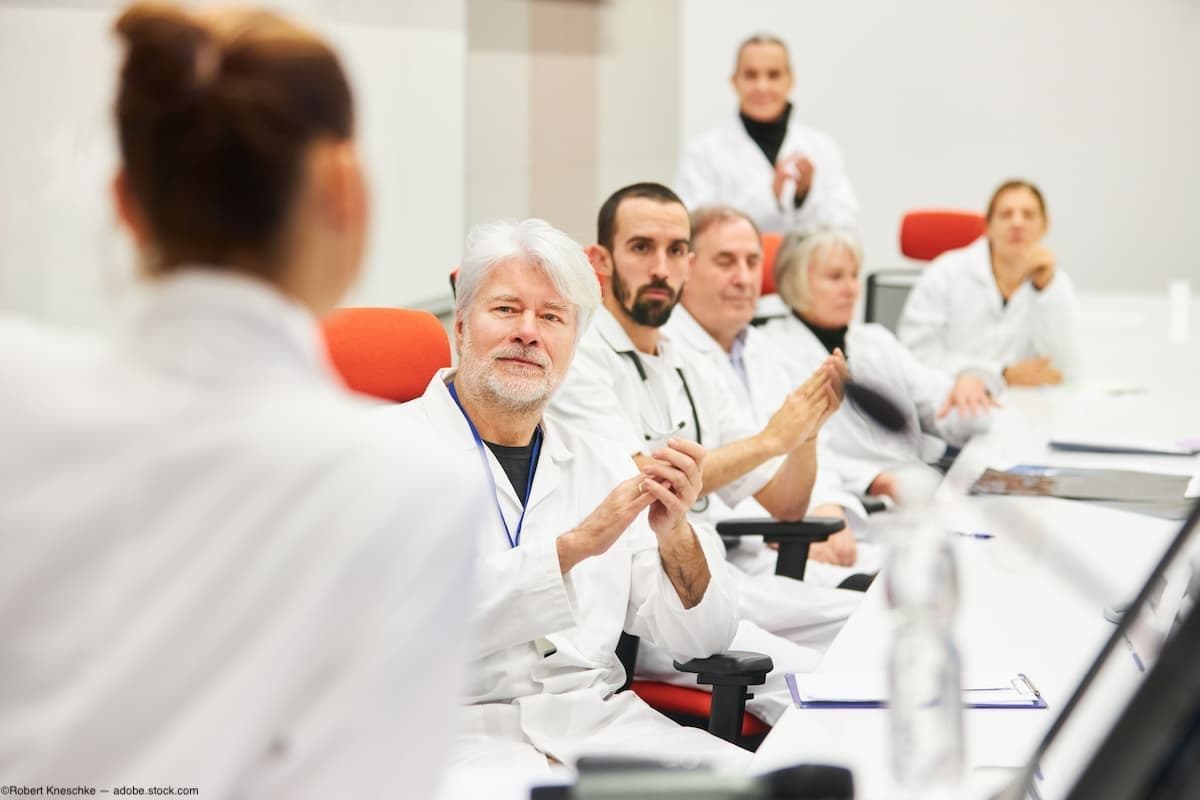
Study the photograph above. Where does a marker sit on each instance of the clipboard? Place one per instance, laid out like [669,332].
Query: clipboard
[869,690]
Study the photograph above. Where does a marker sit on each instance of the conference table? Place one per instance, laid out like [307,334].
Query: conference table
[1017,610]
[1032,597]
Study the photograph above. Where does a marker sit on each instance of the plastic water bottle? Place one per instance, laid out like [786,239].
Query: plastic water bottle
[924,669]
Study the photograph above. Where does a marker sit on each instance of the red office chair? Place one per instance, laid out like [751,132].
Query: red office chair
[770,245]
[924,235]
[389,353]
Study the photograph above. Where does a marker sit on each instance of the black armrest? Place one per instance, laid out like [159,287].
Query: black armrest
[793,538]
[729,674]
[872,504]
[733,667]
[809,529]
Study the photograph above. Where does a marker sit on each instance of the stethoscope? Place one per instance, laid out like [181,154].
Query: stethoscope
[700,505]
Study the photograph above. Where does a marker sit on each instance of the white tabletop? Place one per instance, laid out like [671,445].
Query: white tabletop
[1018,611]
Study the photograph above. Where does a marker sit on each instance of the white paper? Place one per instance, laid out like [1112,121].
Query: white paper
[998,688]
[1108,442]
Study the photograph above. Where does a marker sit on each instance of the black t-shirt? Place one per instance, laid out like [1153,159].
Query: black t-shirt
[515,461]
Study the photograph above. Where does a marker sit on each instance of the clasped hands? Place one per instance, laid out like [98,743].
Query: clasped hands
[794,167]
[668,482]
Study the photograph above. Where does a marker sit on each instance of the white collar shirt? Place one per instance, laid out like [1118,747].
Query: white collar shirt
[761,386]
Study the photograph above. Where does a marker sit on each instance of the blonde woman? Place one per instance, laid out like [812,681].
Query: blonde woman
[817,275]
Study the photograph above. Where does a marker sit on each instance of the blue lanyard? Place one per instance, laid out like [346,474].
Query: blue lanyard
[513,541]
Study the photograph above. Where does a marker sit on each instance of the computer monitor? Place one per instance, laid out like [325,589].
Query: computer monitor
[1132,726]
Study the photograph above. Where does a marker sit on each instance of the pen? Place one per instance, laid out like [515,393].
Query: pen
[974,534]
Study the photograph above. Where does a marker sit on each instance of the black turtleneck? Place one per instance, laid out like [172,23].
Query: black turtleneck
[831,338]
[768,136]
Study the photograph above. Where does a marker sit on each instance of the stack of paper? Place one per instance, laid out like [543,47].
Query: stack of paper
[869,690]
[1125,445]
[1157,494]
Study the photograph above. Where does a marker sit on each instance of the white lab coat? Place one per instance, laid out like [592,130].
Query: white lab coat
[862,449]
[521,704]
[605,394]
[770,382]
[724,166]
[212,572]
[955,318]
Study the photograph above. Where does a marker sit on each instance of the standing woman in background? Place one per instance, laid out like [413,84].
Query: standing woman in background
[212,573]
[999,306]
[781,173]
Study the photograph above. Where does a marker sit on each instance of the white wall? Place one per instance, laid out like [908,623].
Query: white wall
[936,101]
[61,257]
[637,88]
[567,102]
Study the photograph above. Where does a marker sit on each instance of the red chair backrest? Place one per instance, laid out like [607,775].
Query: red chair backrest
[927,233]
[389,353]
[770,245]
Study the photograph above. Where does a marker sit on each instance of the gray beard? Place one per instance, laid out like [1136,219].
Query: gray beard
[480,380]
[492,390]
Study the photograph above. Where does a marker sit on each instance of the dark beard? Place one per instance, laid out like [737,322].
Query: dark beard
[644,311]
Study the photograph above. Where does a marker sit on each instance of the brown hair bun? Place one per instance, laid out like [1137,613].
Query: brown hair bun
[215,116]
[164,51]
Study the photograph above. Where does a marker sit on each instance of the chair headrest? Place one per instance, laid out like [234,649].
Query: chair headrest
[770,245]
[389,353]
[927,233]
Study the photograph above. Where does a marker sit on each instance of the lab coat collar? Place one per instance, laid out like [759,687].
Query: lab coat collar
[208,321]
[610,330]
[684,326]
[445,415]
[979,261]
[797,328]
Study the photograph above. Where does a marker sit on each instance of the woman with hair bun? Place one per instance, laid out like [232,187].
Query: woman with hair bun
[213,576]
[999,306]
